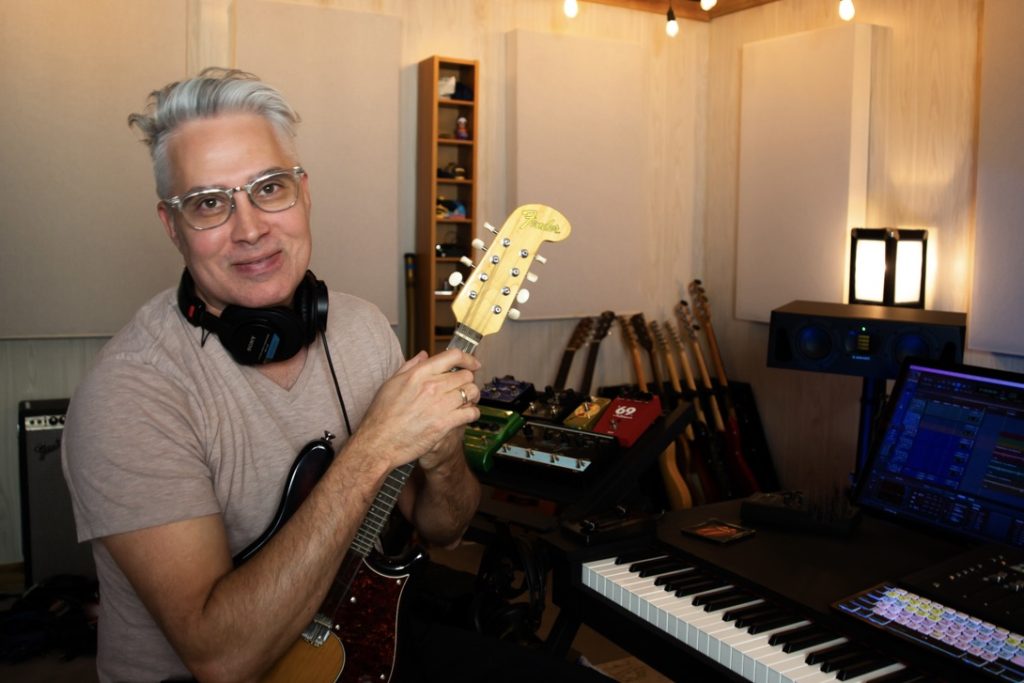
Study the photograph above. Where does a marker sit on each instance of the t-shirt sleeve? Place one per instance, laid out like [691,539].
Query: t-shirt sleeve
[132,453]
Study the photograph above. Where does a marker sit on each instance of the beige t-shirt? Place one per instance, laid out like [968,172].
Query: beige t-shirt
[165,429]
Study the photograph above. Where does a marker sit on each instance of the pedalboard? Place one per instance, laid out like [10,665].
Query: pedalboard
[558,446]
[553,406]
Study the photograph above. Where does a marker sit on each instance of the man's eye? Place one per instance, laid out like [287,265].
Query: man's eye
[205,204]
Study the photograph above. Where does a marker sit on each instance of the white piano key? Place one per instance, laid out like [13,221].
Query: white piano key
[892,668]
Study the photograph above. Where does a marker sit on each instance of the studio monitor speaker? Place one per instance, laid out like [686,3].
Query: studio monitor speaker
[862,340]
[48,540]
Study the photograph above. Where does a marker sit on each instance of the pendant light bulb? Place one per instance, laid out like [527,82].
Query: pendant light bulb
[708,5]
[846,10]
[672,26]
[571,8]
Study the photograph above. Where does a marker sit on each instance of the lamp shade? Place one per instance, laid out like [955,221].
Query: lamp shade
[888,266]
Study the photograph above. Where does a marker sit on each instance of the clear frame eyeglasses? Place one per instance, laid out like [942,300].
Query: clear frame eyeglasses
[212,207]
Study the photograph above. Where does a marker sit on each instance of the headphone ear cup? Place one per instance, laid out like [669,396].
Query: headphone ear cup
[256,336]
[310,302]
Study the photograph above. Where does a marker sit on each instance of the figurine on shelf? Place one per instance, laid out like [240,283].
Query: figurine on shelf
[461,131]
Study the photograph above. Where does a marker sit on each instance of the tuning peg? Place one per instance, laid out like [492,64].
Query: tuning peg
[479,244]
[513,313]
[491,228]
[540,258]
[468,262]
[455,279]
[532,277]
[522,296]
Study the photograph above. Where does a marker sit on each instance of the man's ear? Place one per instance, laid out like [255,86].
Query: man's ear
[167,218]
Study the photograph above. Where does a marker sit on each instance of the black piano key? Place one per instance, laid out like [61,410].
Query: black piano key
[789,635]
[826,653]
[702,599]
[768,624]
[658,565]
[637,555]
[907,675]
[702,587]
[747,612]
[807,641]
[751,620]
[666,578]
[863,668]
[838,662]
[714,603]
[686,580]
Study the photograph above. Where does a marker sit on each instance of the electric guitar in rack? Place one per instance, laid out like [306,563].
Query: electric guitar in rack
[741,411]
[352,638]
[701,310]
[676,489]
[580,336]
[602,325]
[688,329]
[704,447]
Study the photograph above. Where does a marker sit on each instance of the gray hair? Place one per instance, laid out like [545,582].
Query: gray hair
[214,91]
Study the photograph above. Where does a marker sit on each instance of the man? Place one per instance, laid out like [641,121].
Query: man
[177,449]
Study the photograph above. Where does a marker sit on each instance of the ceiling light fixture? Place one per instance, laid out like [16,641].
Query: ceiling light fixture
[708,5]
[671,26]
[571,8]
[846,10]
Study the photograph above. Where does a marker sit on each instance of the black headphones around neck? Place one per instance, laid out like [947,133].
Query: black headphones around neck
[254,336]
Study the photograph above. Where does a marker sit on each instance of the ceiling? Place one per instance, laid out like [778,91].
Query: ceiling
[686,9]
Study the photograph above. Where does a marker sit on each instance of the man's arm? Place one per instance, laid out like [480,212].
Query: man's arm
[232,624]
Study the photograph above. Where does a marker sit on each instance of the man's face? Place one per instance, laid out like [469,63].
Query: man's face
[255,259]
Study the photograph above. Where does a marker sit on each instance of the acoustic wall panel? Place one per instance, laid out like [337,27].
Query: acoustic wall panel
[804,120]
[81,246]
[577,141]
[340,70]
[995,324]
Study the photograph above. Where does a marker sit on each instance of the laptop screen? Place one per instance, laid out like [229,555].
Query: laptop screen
[951,455]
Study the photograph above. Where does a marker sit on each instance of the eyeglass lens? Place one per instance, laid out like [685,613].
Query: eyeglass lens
[210,208]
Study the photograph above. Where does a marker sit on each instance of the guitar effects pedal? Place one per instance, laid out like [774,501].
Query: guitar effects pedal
[507,393]
[587,413]
[483,437]
[628,418]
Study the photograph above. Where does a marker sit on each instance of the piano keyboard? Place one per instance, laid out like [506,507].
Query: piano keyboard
[751,636]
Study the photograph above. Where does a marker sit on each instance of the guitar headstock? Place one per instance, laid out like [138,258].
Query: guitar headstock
[687,324]
[602,326]
[489,292]
[701,307]
[581,334]
[628,333]
[643,335]
[673,337]
[659,336]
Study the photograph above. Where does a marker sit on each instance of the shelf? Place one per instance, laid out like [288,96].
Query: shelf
[439,121]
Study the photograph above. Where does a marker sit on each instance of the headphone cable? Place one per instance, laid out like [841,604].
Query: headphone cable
[337,387]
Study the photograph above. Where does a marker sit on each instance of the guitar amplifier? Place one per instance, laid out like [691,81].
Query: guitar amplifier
[48,539]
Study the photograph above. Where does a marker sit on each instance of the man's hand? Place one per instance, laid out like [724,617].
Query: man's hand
[418,413]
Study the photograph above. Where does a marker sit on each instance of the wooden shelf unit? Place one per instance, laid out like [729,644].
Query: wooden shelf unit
[442,240]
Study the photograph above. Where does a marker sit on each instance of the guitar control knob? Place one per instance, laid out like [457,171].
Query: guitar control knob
[514,313]
[455,279]
[522,296]
[479,244]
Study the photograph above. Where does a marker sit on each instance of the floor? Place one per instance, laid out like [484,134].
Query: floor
[591,646]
